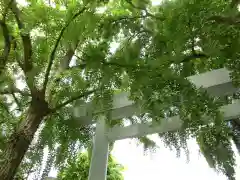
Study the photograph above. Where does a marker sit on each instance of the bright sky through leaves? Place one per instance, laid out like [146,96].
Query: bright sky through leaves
[161,49]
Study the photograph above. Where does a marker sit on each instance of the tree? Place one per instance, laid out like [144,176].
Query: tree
[78,169]
[62,51]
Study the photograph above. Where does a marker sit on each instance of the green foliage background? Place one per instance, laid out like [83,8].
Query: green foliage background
[77,169]
[70,57]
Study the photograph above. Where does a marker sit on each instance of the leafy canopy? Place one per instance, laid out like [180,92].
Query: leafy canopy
[134,46]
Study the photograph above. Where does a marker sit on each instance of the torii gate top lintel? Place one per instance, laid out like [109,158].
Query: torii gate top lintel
[216,83]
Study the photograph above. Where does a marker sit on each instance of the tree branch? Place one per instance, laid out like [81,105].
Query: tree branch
[7,39]
[143,9]
[135,66]
[234,3]
[16,53]
[6,10]
[230,20]
[64,65]
[16,101]
[123,18]
[27,46]
[52,55]
[7,46]
[236,121]
[14,90]
[85,94]
[120,65]
[194,56]
[65,61]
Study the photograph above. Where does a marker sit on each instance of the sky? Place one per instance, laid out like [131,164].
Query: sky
[163,164]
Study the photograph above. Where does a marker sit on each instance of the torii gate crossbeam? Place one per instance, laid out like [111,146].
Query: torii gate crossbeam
[216,82]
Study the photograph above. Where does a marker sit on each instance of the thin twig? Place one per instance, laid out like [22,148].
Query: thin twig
[53,53]
[85,94]
[16,101]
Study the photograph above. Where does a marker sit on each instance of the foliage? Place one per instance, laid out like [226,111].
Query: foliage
[57,52]
[77,169]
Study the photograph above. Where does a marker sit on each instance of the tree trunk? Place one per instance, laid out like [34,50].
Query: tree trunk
[21,138]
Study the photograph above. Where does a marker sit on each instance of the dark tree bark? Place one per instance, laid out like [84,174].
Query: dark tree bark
[7,45]
[22,137]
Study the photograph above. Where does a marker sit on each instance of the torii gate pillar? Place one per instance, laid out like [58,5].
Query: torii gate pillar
[99,160]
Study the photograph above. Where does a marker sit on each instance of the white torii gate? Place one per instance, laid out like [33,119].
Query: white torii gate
[216,83]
